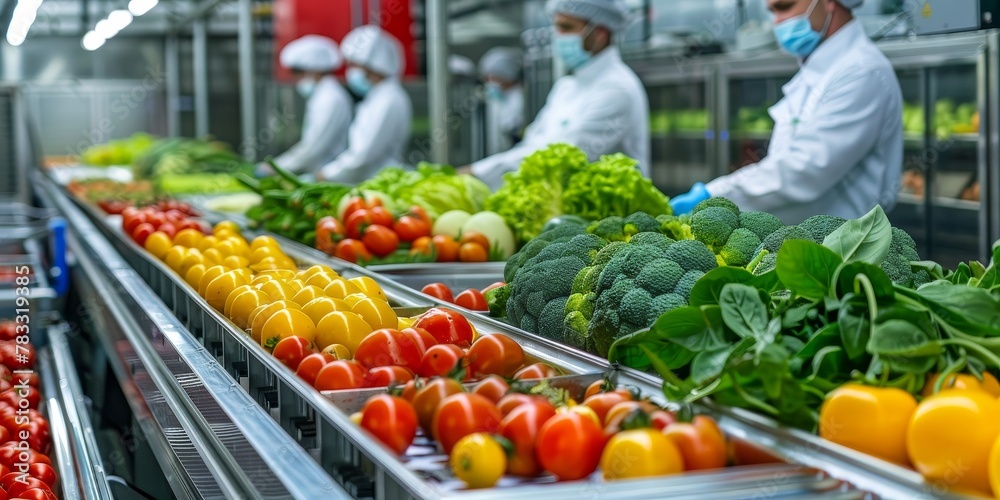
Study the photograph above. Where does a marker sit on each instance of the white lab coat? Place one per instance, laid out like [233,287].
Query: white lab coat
[378,137]
[324,128]
[837,144]
[505,120]
[602,109]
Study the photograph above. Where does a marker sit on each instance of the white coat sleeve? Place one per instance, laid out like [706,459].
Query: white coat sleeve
[329,121]
[844,128]
[491,169]
[600,125]
[366,143]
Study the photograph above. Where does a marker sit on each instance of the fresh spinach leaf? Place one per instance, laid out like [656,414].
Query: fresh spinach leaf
[708,365]
[867,239]
[827,336]
[855,331]
[806,268]
[708,289]
[897,337]
[772,368]
[881,284]
[769,282]
[830,363]
[932,268]
[972,310]
[743,311]
[978,269]
[796,315]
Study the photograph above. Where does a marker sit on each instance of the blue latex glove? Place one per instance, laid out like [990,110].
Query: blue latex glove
[686,202]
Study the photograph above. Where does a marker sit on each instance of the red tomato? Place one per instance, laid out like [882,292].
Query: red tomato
[603,402]
[156,218]
[521,427]
[447,326]
[169,228]
[536,371]
[191,224]
[408,390]
[8,330]
[513,400]
[492,388]
[174,215]
[421,338]
[472,299]
[473,252]
[112,207]
[389,347]
[22,485]
[446,248]
[17,356]
[422,246]
[439,291]
[409,228]
[292,350]
[329,231]
[14,395]
[427,399]
[662,419]
[340,375]
[419,212]
[391,420]
[494,354]
[45,472]
[37,494]
[141,232]
[474,237]
[701,443]
[352,251]
[130,220]
[381,216]
[311,365]
[569,435]
[462,414]
[384,376]
[356,223]
[353,205]
[380,240]
[441,361]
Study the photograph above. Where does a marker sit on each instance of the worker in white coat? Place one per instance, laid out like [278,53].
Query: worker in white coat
[329,107]
[380,132]
[501,69]
[837,144]
[600,106]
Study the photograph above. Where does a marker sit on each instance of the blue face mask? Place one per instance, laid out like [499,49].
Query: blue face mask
[796,36]
[494,92]
[306,87]
[358,81]
[568,47]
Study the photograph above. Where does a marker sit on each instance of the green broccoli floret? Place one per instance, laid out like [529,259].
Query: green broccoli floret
[741,248]
[692,255]
[761,223]
[687,282]
[586,279]
[605,254]
[539,282]
[561,233]
[550,321]
[676,227]
[903,251]
[658,240]
[611,229]
[667,302]
[773,242]
[660,276]
[640,222]
[713,225]
[634,310]
[582,303]
[639,256]
[821,226]
[716,202]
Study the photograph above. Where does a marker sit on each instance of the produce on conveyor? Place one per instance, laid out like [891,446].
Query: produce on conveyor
[471,299]
[113,196]
[560,181]
[435,188]
[25,468]
[121,152]
[526,430]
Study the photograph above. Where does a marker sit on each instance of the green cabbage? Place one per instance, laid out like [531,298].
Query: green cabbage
[613,186]
[435,188]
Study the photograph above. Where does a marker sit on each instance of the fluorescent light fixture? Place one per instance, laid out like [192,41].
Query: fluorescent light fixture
[119,19]
[21,20]
[92,41]
[105,29]
[140,7]
[14,39]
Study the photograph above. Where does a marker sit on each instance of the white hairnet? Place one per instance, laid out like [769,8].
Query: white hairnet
[501,62]
[611,14]
[312,53]
[374,49]
[851,4]
[461,66]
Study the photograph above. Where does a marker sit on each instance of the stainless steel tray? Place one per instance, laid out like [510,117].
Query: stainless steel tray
[457,276]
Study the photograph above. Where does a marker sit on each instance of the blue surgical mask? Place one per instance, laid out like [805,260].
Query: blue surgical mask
[306,87]
[358,81]
[494,92]
[569,48]
[796,36]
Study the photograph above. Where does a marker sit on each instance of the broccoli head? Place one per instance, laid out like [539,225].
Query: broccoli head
[640,222]
[761,224]
[821,226]
[740,249]
[559,234]
[903,251]
[774,241]
[713,225]
[676,227]
[716,202]
[692,255]
[658,240]
[611,229]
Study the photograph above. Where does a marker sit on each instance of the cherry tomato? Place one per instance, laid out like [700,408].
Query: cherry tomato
[292,350]
[662,419]
[569,435]
[22,485]
[492,387]
[447,326]
[439,291]
[339,375]
[536,371]
[384,376]
[494,354]
[329,231]
[356,223]
[409,228]
[701,443]
[14,395]
[472,252]
[427,398]
[112,207]
[521,426]
[617,413]
[446,248]
[603,402]
[513,400]
[156,218]
[45,472]
[422,246]
[462,414]
[169,228]
[352,251]
[311,365]
[381,216]
[192,224]
[474,237]
[353,205]
[419,212]
[37,494]
[441,360]
[141,232]
[389,347]
[380,240]
[472,299]
[408,390]
[130,220]
[391,420]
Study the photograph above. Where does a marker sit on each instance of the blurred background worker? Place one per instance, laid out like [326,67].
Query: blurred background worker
[501,70]
[311,60]
[600,106]
[837,145]
[381,128]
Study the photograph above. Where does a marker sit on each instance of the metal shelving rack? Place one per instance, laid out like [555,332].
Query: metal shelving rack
[179,331]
